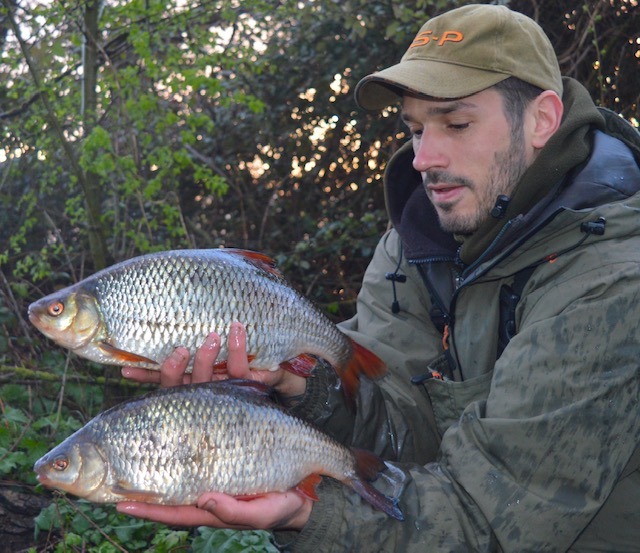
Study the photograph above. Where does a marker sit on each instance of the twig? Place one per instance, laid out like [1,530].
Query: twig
[14,305]
[43,376]
[61,394]
[93,524]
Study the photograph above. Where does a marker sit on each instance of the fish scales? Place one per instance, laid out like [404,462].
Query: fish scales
[138,311]
[209,287]
[173,445]
[163,301]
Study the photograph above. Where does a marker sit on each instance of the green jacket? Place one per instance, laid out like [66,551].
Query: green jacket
[533,448]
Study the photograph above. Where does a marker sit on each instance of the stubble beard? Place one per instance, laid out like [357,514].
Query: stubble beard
[505,172]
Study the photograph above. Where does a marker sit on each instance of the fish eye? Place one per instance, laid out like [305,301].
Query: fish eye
[60,463]
[55,309]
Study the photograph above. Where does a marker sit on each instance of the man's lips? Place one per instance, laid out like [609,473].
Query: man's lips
[445,193]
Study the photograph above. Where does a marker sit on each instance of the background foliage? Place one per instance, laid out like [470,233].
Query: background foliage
[131,126]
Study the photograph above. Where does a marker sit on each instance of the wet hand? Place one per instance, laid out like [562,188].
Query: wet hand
[172,369]
[286,510]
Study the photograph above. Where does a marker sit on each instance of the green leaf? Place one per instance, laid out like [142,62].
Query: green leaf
[10,460]
[232,541]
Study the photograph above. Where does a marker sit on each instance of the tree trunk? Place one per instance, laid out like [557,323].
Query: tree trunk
[90,188]
[92,185]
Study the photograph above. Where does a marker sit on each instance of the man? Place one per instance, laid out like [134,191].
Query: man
[510,415]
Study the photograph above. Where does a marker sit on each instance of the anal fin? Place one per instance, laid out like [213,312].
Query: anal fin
[307,486]
[302,365]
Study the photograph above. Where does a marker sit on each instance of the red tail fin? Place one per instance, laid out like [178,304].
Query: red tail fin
[363,362]
[368,466]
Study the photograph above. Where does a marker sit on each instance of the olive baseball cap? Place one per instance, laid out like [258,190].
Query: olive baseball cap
[464,51]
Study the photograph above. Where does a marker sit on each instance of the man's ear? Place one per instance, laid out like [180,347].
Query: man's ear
[546,110]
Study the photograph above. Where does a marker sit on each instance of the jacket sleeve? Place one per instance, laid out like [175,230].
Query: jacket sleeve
[391,412]
[529,467]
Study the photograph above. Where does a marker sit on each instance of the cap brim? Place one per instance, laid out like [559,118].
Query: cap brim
[430,78]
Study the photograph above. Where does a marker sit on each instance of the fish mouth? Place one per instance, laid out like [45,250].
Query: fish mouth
[35,312]
[43,479]
[33,316]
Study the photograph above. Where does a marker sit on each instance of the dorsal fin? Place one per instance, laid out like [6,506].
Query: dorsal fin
[258,259]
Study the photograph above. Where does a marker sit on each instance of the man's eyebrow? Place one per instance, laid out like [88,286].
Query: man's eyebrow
[444,109]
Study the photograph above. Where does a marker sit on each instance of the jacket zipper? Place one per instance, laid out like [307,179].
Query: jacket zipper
[594,227]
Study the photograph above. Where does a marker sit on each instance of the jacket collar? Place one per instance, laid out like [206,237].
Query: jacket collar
[411,212]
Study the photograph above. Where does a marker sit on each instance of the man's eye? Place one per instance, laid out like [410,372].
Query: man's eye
[459,126]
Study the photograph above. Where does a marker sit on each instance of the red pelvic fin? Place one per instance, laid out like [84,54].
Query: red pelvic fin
[124,356]
[302,365]
[249,497]
[220,367]
[249,386]
[307,486]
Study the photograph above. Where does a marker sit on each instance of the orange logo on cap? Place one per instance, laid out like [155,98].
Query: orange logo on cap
[427,36]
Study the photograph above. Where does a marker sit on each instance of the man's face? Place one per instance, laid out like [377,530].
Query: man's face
[467,155]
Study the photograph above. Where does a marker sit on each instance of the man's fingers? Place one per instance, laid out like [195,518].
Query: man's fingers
[172,368]
[144,376]
[234,513]
[171,515]
[169,373]
[204,359]
[237,362]
[272,510]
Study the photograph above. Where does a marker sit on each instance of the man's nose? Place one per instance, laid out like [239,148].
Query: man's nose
[429,153]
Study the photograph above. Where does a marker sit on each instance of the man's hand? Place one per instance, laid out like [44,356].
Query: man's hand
[172,369]
[286,510]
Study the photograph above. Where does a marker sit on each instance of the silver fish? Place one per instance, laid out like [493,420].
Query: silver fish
[172,445]
[136,312]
